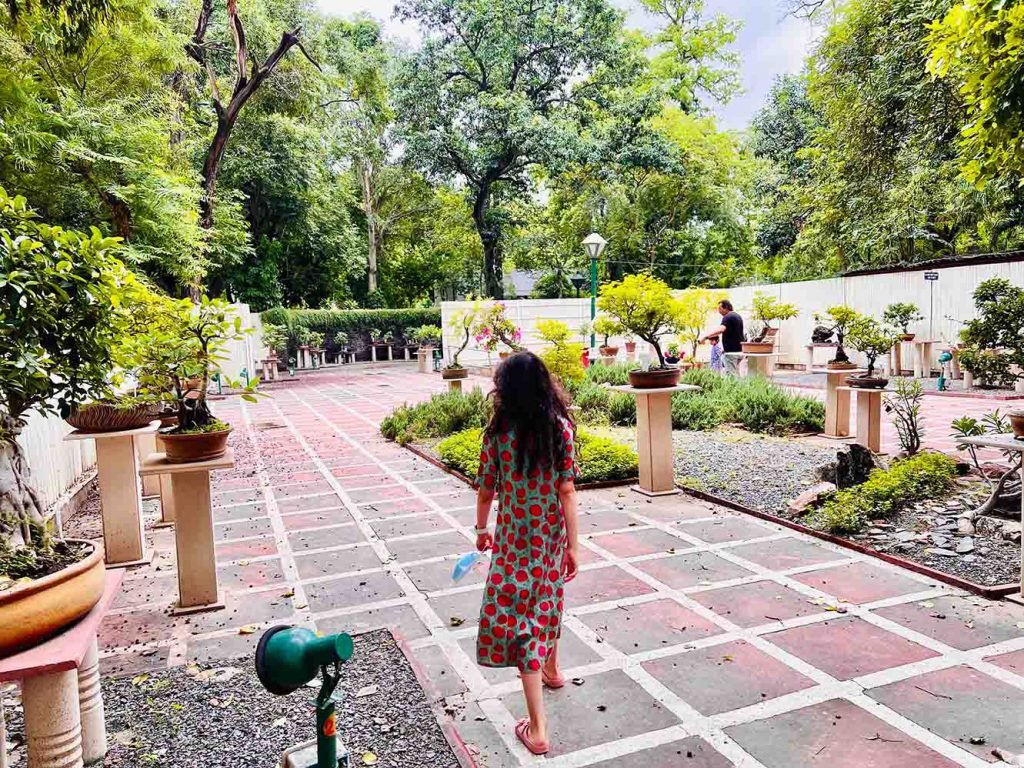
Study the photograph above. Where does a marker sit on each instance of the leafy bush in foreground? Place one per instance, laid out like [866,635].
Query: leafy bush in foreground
[441,415]
[886,492]
[599,458]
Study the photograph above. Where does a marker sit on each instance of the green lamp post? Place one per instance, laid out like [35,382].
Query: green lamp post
[595,245]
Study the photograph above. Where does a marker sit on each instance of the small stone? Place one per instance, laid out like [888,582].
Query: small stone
[940,541]
[965,526]
[905,536]
[965,546]
[810,497]
[942,552]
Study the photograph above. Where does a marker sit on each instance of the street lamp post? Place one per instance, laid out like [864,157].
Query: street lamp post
[595,245]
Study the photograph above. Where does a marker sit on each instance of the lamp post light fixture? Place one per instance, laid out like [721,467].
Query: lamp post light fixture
[577,283]
[595,245]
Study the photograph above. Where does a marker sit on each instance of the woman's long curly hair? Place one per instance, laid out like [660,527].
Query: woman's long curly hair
[530,403]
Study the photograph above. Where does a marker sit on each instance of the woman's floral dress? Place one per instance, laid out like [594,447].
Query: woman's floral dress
[521,615]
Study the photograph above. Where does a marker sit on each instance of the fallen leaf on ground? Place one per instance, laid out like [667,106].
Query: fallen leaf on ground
[248,629]
[369,758]
[367,690]
[456,621]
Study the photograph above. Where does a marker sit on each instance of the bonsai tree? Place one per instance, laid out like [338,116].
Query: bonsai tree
[768,310]
[872,338]
[462,323]
[275,338]
[563,357]
[695,305]
[901,315]
[426,335]
[314,339]
[494,327]
[606,327]
[839,319]
[64,299]
[376,335]
[645,306]
[672,352]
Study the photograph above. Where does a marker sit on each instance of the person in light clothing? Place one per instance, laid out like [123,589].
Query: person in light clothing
[731,332]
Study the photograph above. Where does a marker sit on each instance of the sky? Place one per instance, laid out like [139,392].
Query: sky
[770,44]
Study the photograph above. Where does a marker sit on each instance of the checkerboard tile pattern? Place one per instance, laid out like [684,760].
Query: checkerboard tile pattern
[700,637]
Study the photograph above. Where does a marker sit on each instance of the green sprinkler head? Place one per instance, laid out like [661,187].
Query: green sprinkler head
[289,657]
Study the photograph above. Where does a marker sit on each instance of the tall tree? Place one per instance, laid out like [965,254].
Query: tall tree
[499,87]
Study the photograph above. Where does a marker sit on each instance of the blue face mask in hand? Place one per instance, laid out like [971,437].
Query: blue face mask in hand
[465,564]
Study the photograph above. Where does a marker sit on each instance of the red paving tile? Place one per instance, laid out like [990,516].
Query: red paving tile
[961,622]
[1011,662]
[691,570]
[861,583]
[642,542]
[751,605]
[603,584]
[784,554]
[692,752]
[649,626]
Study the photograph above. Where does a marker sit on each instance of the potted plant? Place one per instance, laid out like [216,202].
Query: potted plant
[630,341]
[182,348]
[315,343]
[275,339]
[606,327]
[986,368]
[901,315]
[428,336]
[462,322]
[874,340]
[767,310]
[672,353]
[646,307]
[563,356]
[839,319]
[494,328]
[66,302]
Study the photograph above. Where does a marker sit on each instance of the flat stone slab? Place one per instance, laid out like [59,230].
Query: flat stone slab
[961,622]
[752,605]
[649,626]
[645,541]
[861,583]
[837,734]
[726,529]
[725,677]
[692,570]
[610,706]
[692,752]
[350,591]
[849,647]
[785,554]
[600,585]
[961,704]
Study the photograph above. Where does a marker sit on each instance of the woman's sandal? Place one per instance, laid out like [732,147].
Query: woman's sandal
[523,734]
[555,682]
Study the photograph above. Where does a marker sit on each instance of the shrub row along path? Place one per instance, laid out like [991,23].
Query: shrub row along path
[701,637]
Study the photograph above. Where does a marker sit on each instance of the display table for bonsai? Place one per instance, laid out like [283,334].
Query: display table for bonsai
[145,444]
[269,369]
[193,529]
[837,401]
[923,358]
[654,437]
[758,363]
[869,417]
[166,490]
[117,465]
[60,691]
[455,385]
[1004,443]
[424,357]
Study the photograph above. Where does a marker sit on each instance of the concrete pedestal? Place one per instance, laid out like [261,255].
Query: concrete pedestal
[303,357]
[759,364]
[117,465]
[809,351]
[455,385]
[654,438]
[837,402]
[90,706]
[193,530]
[145,444]
[1004,443]
[423,359]
[167,507]
[869,417]
[923,357]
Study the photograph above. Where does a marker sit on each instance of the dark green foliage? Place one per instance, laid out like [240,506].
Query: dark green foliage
[354,323]
[598,458]
[920,477]
[694,412]
[440,416]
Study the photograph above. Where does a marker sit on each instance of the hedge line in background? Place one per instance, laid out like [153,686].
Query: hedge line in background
[354,320]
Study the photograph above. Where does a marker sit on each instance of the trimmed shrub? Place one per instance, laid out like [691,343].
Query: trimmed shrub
[599,458]
[622,409]
[886,492]
[695,412]
[354,323]
[441,415]
[616,375]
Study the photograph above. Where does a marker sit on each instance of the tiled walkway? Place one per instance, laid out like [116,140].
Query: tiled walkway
[703,638]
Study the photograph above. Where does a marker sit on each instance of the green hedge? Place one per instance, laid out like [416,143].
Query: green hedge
[441,415]
[355,323]
[887,492]
[599,458]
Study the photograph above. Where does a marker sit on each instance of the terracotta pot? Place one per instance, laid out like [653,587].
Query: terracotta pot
[35,611]
[608,351]
[505,355]
[448,374]
[656,379]
[631,347]
[841,366]
[867,382]
[102,417]
[908,336]
[757,347]
[1017,423]
[185,449]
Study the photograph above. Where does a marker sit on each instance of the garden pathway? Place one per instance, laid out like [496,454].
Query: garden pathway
[703,638]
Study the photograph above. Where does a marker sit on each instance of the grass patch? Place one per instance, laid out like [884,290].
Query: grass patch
[886,492]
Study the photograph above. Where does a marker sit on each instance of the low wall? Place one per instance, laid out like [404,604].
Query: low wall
[56,466]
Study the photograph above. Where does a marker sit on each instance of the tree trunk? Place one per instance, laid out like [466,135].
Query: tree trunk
[490,237]
[21,513]
[372,235]
[211,168]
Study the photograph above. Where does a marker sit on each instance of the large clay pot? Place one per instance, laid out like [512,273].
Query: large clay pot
[608,351]
[1017,423]
[449,374]
[35,611]
[908,336]
[867,382]
[103,417]
[757,347]
[656,379]
[185,449]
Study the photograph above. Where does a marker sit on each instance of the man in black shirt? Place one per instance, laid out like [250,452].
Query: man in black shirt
[731,331]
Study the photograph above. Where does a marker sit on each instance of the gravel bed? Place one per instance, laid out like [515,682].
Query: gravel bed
[221,717]
[760,472]
[986,552]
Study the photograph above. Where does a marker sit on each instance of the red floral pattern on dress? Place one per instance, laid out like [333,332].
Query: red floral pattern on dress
[521,615]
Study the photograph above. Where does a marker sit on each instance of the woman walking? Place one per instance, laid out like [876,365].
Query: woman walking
[528,460]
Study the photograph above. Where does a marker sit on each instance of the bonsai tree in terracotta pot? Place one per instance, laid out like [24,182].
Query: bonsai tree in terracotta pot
[183,347]
[839,319]
[874,339]
[606,326]
[695,307]
[902,315]
[275,339]
[462,323]
[645,306]
[65,301]
[768,310]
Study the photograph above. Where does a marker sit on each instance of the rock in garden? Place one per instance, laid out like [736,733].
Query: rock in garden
[811,497]
[940,541]
[905,536]
[853,465]
[965,546]
[1011,531]
[965,526]
[942,552]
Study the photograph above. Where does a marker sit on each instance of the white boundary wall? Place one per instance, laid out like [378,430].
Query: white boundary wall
[56,466]
[868,294]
